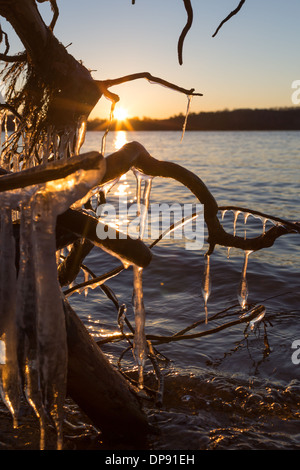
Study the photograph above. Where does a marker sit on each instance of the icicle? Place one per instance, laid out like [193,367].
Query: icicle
[80,136]
[223,213]
[9,376]
[146,200]
[50,314]
[140,344]
[246,215]
[105,188]
[243,286]
[86,278]
[30,357]
[206,284]
[186,115]
[143,202]
[111,117]
[264,222]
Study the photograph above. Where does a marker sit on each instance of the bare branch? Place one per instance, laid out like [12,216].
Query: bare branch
[21,57]
[189,10]
[105,84]
[233,13]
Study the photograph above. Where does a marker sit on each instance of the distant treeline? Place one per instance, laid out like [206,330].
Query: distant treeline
[236,120]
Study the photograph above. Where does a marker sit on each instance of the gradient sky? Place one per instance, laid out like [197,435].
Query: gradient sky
[252,62]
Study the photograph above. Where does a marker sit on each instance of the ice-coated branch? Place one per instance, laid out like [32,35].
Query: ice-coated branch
[84,226]
[135,155]
[105,84]
[293,226]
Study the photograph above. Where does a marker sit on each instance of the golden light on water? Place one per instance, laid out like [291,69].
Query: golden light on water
[120,139]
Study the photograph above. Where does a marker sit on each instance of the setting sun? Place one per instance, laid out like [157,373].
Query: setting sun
[120,114]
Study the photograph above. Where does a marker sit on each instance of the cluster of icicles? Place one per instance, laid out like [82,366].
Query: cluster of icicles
[243,291]
[16,151]
[33,342]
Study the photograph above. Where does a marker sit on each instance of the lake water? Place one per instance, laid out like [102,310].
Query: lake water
[235,389]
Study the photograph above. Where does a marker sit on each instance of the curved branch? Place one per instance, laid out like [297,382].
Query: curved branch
[294,226]
[135,155]
[233,13]
[189,10]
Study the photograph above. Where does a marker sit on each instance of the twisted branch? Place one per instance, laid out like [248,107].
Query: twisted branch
[105,84]
[135,155]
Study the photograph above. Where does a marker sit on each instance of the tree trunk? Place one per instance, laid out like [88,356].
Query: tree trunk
[74,92]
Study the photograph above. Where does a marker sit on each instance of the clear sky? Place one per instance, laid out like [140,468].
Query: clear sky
[252,62]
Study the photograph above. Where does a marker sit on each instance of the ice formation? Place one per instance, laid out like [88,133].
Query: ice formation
[32,321]
[243,285]
[206,284]
[140,344]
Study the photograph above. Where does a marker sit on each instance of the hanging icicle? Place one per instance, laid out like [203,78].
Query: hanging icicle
[206,284]
[190,97]
[9,376]
[30,355]
[243,286]
[143,199]
[140,343]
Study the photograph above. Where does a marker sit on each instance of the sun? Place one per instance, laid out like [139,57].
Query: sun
[120,114]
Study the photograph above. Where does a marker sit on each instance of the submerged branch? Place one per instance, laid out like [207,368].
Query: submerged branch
[135,155]
[181,337]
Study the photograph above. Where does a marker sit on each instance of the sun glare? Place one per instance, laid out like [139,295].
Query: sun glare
[120,114]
